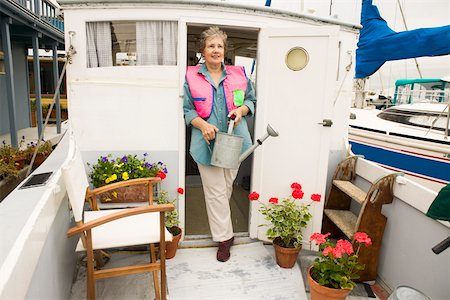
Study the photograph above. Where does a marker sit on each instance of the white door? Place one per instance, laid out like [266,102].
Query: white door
[294,103]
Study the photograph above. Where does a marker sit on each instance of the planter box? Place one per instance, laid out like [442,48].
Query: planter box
[134,193]
[8,184]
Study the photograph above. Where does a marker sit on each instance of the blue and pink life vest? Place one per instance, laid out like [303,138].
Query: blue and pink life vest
[235,85]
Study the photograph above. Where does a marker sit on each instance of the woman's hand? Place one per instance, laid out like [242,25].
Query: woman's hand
[208,130]
[239,112]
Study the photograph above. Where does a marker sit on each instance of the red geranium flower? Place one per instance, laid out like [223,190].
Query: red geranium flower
[362,237]
[273,200]
[253,196]
[319,238]
[180,191]
[161,175]
[297,194]
[316,197]
[296,186]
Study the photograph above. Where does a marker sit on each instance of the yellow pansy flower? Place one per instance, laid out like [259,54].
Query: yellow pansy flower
[125,176]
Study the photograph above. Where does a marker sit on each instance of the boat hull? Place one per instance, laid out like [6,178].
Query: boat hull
[422,166]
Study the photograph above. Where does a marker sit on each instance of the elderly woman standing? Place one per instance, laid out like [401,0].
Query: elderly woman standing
[214,92]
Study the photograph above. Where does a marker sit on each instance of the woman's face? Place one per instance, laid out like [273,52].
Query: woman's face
[214,50]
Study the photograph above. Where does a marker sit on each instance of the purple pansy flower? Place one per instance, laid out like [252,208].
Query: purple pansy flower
[124,159]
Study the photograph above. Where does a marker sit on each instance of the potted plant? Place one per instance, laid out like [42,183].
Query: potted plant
[287,218]
[9,154]
[109,170]
[43,151]
[333,273]
[171,221]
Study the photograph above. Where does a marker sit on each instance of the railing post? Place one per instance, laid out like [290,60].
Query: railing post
[37,7]
[37,82]
[10,90]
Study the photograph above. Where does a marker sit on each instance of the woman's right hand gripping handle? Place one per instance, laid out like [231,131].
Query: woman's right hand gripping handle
[208,130]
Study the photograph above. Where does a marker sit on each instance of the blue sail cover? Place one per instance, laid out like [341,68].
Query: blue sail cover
[378,43]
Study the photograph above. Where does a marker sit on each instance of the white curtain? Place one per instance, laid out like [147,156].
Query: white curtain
[156,42]
[99,44]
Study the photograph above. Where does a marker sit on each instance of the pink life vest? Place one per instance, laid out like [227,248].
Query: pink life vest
[235,85]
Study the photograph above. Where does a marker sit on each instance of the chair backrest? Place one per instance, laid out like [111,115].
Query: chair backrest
[75,179]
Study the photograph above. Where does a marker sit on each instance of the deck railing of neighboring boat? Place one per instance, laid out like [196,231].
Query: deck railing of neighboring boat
[44,10]
[407,96]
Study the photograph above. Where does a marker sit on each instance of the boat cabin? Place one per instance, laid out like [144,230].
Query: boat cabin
[125,93]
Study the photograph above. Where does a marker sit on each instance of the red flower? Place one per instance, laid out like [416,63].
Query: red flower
[327,250]
[296,186]
[273,200]
[297,194]
[319,238]
[337,252]
[161,175]
[345,246]
[253,196]
[362,237]
[316,197]
[180,191]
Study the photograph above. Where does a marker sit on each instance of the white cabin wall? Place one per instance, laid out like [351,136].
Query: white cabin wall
[341,101]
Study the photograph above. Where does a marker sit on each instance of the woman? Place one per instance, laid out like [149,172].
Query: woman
[214,92]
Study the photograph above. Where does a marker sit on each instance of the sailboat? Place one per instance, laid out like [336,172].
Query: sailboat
[120,104]
[411,134]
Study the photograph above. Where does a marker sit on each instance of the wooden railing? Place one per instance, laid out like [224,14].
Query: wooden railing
[44,10]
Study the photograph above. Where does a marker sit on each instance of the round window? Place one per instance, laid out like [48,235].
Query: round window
[297,58]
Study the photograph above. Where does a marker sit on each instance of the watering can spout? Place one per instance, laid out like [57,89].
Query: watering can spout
[270,132]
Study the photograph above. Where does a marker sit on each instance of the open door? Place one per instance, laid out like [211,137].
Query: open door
[295,102]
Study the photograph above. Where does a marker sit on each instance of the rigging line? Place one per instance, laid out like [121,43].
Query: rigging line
[406,28]
[347,69]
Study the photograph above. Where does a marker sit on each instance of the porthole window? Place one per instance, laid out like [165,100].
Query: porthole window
[297,58]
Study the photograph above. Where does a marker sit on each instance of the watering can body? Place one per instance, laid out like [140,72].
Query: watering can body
[228,147]
[227,150]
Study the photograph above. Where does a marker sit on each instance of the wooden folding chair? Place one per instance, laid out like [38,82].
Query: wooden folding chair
[116,227]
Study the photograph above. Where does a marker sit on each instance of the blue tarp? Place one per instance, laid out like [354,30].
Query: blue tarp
[378,43]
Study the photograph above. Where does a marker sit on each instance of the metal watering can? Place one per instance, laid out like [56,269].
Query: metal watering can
[227,147]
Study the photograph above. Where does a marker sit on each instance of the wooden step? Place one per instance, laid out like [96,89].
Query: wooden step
[345,220]
[350,189]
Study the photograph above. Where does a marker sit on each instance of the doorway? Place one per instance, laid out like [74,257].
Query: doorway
[242,46]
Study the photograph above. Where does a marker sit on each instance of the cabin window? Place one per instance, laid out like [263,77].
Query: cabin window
[297,58]
[130,43]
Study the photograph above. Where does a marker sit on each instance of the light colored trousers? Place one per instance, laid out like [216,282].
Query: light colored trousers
[218,187]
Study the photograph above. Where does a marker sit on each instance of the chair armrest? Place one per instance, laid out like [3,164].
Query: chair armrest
[118,215]
[112,186]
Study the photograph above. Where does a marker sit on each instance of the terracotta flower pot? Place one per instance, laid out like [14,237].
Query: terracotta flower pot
[19,161]
[171,247]
[319,292]
[285,257]
[39,159]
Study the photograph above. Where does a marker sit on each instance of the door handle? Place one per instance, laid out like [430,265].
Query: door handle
[326,123]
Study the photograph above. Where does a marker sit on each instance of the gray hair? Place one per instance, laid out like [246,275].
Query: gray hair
[210,32]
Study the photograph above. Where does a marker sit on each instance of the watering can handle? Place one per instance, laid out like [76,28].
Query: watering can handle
[231,124]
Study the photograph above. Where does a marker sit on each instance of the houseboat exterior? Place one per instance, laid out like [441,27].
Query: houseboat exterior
[122,102]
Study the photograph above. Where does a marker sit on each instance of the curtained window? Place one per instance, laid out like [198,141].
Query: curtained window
[128,43]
